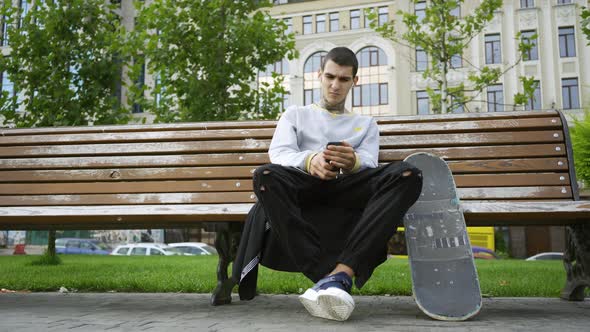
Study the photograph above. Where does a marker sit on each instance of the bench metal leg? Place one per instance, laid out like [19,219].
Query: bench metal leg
[577,262]
[226,242]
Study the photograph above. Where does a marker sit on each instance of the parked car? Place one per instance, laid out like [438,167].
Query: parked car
[546,256]
[483,253]
[194,248]
[81,246]
[145,249]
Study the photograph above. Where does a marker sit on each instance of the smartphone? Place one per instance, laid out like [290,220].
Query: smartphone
[332,143]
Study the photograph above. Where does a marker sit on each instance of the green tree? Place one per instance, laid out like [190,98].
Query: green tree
[205,56]
[580,131]
[443,36]
[64,66]
[63,63]
[580,134]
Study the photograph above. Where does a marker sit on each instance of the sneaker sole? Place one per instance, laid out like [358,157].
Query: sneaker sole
[331,303]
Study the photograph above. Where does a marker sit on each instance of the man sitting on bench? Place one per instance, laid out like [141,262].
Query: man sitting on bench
[325,207]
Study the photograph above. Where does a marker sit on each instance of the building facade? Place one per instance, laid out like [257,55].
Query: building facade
[390,75]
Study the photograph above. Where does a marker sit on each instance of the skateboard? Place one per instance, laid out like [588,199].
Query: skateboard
[444,279]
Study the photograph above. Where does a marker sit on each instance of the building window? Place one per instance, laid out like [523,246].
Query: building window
[421,60]
[5,27]
[383,93]
[527,3]
[456,61]
[289,22]
[373,94]
[456,107]
[383,15]
[527,38]
[7,85]
[570,93]
[334,22]
[493,49]
[422,103]
[534,103]
[24,9]
[320,23]
[567,43]
[420,10]
[355,19]
[495,98]
[372,89]
[307,29]
[563,2]
[456,12]
[371,56]
[311,82]
[280,67]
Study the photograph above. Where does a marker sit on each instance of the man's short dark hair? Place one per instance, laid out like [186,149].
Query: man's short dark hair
[342,56]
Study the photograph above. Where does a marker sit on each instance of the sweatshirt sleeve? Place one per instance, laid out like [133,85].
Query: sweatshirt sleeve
[284,149]
[368,149]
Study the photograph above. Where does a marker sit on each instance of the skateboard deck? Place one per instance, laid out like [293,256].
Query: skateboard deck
[444,279]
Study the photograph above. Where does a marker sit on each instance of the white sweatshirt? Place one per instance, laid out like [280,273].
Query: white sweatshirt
[305,131]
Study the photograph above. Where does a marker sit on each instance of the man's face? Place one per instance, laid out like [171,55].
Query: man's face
[336,82]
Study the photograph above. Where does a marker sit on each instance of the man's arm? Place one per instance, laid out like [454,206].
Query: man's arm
[284,149]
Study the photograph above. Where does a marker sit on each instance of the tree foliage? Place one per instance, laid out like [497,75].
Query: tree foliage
[580,134]
[63,64]
[205,56]
[443,36]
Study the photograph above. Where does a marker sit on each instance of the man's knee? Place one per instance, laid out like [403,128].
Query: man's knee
[263,174]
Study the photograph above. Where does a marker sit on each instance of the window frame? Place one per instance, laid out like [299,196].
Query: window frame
[569,88]
[568,38]
[491,45]
[320,21]
[422,95]
[498,90]
[535,42]
[334,18]
[307,26]
[356,19]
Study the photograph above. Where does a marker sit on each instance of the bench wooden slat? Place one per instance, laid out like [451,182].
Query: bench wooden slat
[136,161]
[248,145]
[477,213]
[259,145]
[512,180]
[266,133]
[509,193]
[267,124]
[245,184]
[151,136]
[509,165]
[501,193]
[126,187]
[471,126]
[459,117]
[212,125]
[470,139]
[132,199]
[479,152]
[122,174]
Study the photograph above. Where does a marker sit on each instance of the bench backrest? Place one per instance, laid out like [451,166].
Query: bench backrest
[494,156]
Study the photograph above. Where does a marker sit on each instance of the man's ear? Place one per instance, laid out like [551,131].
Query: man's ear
[355,80]
[320,74]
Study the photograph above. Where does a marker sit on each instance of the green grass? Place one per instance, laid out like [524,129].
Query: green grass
[198,275]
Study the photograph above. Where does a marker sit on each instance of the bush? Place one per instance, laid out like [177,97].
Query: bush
[580,134]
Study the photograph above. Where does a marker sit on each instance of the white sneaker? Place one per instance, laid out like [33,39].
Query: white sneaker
[331,303]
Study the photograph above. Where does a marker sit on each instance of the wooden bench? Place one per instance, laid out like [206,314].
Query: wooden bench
[511,169]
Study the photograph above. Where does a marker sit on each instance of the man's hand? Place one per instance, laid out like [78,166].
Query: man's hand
[327,164]
[322,169]
[341,156]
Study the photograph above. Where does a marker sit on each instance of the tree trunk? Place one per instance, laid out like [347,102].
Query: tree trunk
[51,243]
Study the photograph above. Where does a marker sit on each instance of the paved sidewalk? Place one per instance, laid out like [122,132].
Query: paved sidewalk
[192,312]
